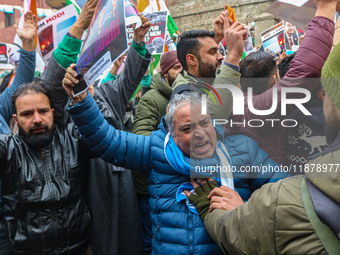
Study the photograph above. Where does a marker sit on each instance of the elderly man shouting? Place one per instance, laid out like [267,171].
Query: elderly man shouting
[185,139]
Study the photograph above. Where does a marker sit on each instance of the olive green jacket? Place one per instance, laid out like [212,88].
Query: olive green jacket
[274,220]
[150,110]
[152,107]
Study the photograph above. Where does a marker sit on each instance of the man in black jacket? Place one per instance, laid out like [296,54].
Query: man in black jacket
[43,184]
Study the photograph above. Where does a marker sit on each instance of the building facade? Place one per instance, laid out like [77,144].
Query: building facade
[10,15]
[200,14]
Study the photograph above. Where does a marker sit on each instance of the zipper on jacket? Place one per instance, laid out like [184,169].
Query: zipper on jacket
[46,173]
[190,233]
[48,180]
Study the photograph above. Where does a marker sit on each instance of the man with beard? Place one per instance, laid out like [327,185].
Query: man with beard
[198,52]
[151,108]
[42,168]
[43,184]
[297,215]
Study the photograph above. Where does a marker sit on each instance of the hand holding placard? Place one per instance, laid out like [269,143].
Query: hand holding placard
[139,33]
[84,19]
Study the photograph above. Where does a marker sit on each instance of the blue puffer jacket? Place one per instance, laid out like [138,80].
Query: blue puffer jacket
[176,230]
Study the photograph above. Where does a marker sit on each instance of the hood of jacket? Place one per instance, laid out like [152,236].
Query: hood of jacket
[184,78]
[158,84]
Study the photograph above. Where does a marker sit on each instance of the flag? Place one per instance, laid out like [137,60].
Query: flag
[29,5]
[76,4]
[232,14]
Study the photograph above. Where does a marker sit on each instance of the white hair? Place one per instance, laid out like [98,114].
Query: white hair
[178,101]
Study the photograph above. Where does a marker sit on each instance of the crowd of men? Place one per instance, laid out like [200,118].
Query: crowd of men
[190,175]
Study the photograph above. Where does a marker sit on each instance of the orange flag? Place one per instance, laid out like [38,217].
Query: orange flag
[232,14]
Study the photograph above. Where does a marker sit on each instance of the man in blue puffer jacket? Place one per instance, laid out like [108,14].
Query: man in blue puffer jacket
[168,158]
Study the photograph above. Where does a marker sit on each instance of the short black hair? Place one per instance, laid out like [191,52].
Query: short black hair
[189,44]
[33,88]
[256,70]
[285,65]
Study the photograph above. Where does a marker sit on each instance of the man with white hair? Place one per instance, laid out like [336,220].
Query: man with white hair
[185,140]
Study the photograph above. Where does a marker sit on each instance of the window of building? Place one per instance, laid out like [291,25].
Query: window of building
[9,19]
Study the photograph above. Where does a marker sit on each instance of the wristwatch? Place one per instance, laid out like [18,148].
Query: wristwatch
[139,43]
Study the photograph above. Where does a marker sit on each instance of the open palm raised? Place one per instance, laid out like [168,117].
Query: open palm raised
[29,29]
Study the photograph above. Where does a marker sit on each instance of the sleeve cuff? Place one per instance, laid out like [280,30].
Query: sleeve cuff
[140,49]
[236,68]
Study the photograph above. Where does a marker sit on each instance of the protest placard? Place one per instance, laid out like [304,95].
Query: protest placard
[9,55]
[297,12]
[291,37]
[273,39]
[155,37]
[248,43]
[105,42]
[52,30]
[3,55]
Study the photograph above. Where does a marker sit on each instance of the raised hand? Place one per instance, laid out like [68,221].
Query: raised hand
[84,19]
[327,8]
[117,64]
[28,31]
[139,33]
[218,27]
[70,81]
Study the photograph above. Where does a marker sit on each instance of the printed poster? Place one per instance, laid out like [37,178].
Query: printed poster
[273,39]
[155,38]
[7,52]
[3,54]
[105,42]
[51,30]
[291,37]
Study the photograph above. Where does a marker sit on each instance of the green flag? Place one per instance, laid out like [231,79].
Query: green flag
[68,2]
[172,26]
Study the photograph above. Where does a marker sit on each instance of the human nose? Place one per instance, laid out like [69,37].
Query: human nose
[219,56]
[37,118]
[199,132]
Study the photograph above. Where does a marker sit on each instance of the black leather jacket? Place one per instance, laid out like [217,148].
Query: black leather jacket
[43,194]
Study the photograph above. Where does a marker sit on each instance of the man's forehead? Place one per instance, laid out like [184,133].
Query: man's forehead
[208,43]
[32,101]
[189,113]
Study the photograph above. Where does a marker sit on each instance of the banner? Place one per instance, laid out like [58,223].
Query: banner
[273,39]
[52,30]
[296,12]
[105,42]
